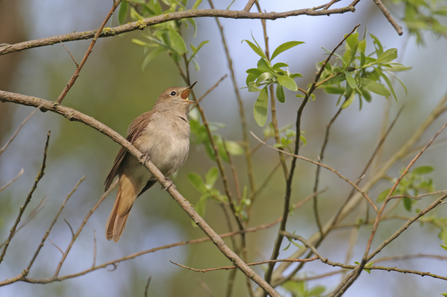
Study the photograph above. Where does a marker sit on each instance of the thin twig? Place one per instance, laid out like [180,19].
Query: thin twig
[249,5]
[245,142]
[60,250]
[147,286]
[28,198]
[69,226]
[26,271]
[32,214]
[13,180]
[279,239]
[17,131]
[212,88]
[324,166]
[388,16]
[75,236]
[87,54]
[249,264]
[74,60]
[94,248]
[272,97]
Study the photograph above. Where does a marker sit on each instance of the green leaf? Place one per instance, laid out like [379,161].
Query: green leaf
[377,44]
[285,46]
[374,87]
[256,49]
[193,23]
[197,182]
[316,291]
[407,203]
[123,12]
[350,80]
[280,94]
[444,247]
[421,170]
[349,100]
[234,148]
[211,176]
[139,42]
[279,65]
[387,56]
[260,108]
[196,4]
[334,90]
[264,66]
[135,15]
[352,40]
[383,195]
[390,85]
[254,71]
[287,82]
[295,75]
[154,53]
[177,42]
[195,50]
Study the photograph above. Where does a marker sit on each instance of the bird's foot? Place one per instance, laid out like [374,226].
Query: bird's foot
[143,159]
[170,184]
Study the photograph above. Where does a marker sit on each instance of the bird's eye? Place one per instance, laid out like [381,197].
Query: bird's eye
[173,93]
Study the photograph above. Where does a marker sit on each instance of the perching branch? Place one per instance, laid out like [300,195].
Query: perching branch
[75,115]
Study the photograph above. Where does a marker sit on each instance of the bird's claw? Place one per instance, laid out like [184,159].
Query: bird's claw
[170,184]
[143,159]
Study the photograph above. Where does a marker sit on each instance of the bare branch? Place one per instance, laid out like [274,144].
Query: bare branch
[69,226]
[28,198]
[198,13]
[95,250]
[74,60]
[11,181]
[17,131]
[147,286]
[26,271]
[388,16]
[60,250]
[249,264]
[212,88]
[89,50]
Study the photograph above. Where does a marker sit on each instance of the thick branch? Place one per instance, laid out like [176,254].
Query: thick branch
[140,25]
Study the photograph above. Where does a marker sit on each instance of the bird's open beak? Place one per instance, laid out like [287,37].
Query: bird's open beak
[184,94]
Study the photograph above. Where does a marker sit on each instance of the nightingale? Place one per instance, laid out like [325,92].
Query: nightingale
[162,135]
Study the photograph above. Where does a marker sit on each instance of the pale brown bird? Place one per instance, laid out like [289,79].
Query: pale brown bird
[162,134]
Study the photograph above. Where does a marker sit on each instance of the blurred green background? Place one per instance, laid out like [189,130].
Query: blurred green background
[113,89]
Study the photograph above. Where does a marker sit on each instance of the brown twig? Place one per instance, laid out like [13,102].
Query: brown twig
[12,180]
[245,142]
[74,60]
[75,236]
[388,16]
[249,5]
[324,166]
[28,198]
[60,250]
[17,131]
[212,88]
[279,239]
[87,54]
[198,13]
[321,157]
[272,97]
[376,223]
[26,271]
[146,288]
[249,264]
[327,6]
[32,214]
[94,248]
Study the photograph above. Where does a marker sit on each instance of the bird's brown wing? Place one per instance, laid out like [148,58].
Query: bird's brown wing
[135,129]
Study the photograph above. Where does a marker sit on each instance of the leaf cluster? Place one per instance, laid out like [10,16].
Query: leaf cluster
[361,74]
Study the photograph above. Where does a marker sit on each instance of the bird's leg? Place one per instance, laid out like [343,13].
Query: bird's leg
[144,158]
[170,184]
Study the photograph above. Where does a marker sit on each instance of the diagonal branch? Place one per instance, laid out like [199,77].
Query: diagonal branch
[75,115]
[28,198]
[89,51]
